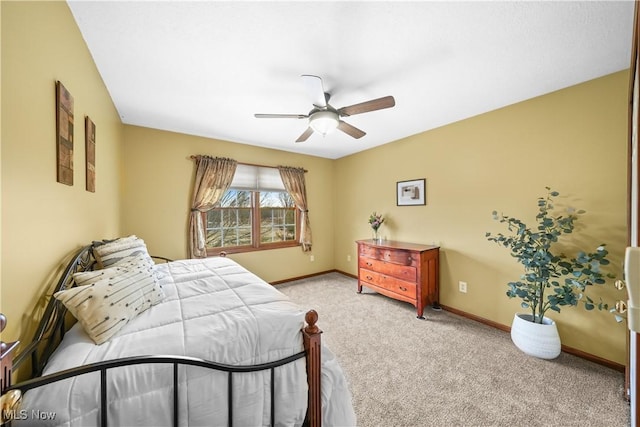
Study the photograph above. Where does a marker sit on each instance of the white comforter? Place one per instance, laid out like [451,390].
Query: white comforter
[215,310]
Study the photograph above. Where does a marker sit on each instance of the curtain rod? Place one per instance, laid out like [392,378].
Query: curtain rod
[248,164]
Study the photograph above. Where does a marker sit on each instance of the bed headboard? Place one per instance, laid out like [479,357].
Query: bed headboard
[54,322]
[52,326]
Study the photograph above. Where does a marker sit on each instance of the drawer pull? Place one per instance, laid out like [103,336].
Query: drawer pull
[369,278]
[369,264]
[403,289]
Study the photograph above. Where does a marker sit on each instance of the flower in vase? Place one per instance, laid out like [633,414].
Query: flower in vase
[375,220]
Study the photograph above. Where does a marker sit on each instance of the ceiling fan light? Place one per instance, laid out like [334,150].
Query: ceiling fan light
[323,122]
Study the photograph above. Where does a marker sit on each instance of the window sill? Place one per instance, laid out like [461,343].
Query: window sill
[244,249]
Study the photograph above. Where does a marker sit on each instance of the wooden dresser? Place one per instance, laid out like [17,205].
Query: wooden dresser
[404,271]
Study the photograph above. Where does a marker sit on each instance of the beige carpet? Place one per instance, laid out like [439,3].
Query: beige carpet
[448,370]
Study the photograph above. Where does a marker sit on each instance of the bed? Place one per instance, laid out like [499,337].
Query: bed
[219,347]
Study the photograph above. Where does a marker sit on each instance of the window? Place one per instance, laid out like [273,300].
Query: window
[255,213]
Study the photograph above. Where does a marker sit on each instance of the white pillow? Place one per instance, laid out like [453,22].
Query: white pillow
[109,253]
[105,300]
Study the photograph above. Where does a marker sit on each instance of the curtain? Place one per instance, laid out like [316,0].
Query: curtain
[293,180]
[213,178]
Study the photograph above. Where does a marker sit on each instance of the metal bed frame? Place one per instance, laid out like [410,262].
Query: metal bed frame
[53,326]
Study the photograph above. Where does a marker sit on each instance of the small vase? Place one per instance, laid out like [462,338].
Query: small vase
[376,237]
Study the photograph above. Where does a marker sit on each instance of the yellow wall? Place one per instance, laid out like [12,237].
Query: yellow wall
[573,140]
[43,220]
[158,178]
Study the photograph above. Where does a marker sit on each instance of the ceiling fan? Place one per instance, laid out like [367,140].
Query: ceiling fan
[324,118]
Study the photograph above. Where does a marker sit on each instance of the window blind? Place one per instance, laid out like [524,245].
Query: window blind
[257,178]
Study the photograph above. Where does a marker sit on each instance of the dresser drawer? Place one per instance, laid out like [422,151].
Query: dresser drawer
[396,256]
[404,272]
[389,283]
[369,252]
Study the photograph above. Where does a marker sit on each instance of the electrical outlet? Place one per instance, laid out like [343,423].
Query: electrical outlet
[348,258]
[462,287]
[312,258]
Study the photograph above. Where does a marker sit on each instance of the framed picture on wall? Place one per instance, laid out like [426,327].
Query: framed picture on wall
[411,193]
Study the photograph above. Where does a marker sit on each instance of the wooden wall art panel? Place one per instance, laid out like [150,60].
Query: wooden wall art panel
[90,148]
[64,132]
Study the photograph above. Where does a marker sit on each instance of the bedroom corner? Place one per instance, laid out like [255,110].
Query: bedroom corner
[158,176]
[573,140]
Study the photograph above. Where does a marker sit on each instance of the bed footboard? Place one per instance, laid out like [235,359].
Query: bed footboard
[312,352]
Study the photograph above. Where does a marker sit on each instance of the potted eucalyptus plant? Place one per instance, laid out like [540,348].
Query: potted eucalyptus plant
[551,279]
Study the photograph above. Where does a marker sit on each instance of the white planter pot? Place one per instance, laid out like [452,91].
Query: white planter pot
[535,339]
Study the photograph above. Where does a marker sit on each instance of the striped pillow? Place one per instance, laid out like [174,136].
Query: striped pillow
[110,253]
[106,300]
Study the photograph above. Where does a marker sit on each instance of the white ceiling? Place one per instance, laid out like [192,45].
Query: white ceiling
[205,67]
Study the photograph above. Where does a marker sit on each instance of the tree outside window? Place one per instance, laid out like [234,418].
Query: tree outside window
[252,220]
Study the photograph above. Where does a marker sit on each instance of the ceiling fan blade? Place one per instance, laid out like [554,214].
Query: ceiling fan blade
[315,90]
[307,133]
[364,107]
[280,116]
[350,130]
